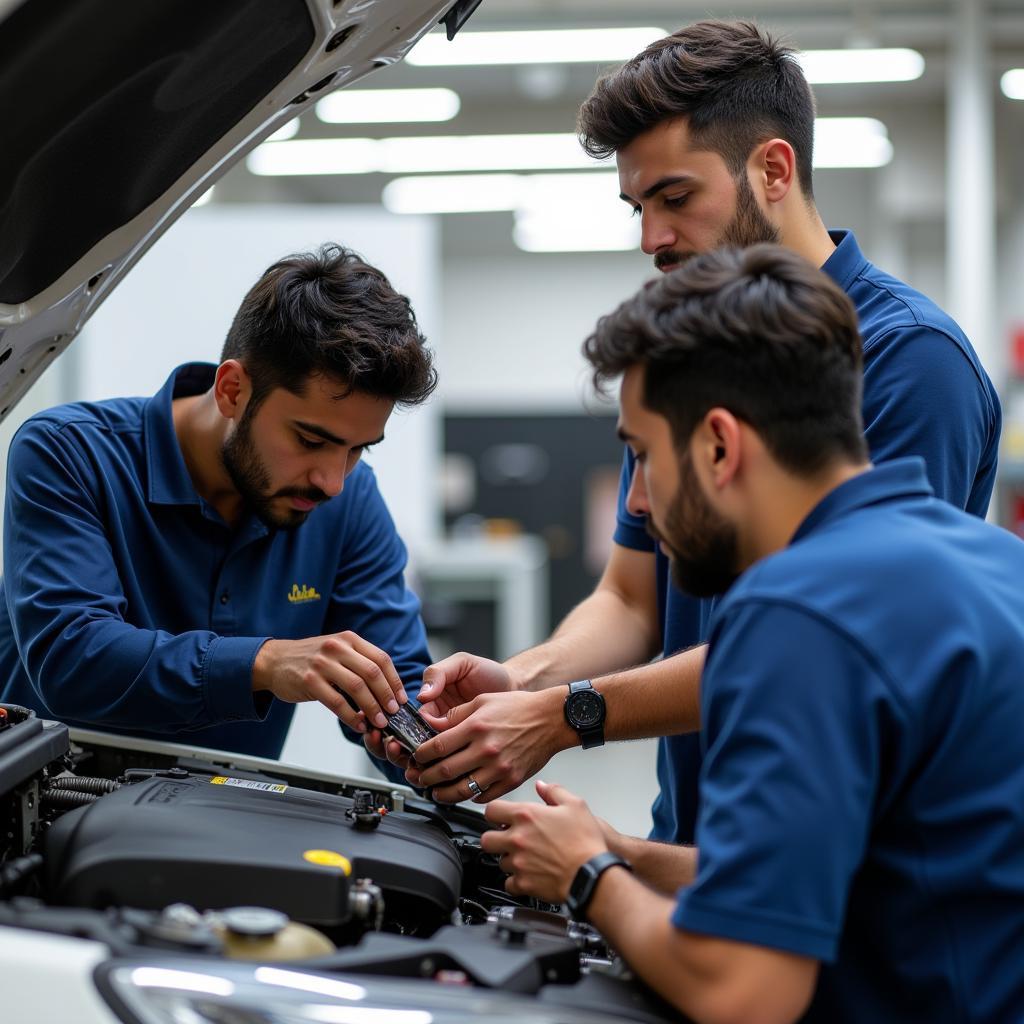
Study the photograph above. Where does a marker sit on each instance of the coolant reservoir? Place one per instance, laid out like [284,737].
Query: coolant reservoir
[259,933]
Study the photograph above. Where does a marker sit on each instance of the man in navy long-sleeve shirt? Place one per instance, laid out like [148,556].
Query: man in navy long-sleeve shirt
[198,561]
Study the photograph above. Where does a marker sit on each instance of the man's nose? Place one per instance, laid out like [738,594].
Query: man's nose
[329,478]
[655,233]
[636,497]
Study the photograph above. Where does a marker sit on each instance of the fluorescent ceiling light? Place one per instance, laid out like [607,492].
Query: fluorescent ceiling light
[578,212]
[613,45]
[484,193]
[544,230]
[438,153]
[837,66]
[841,142]
[385,106]
[287,131]
[558,46]
[851,142]
[1012,83]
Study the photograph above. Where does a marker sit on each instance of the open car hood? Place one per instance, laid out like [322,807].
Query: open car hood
[118,114]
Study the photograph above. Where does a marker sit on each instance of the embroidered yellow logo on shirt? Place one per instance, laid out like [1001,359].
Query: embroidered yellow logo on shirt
[302,596]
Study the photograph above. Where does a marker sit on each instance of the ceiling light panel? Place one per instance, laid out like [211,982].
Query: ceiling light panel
[420,154]
[490,193]
[1012,84]
[557,46]
[388,106]
[839,142]
[546,231]
[851,142]
[825,67]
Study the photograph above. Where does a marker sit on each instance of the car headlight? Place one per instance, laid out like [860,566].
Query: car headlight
[229,992]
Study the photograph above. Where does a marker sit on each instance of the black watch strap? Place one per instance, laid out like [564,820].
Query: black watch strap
[584,885]
[589,726]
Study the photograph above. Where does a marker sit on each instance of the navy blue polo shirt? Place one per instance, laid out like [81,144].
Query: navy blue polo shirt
[129,605]
[925,393]
[863,785]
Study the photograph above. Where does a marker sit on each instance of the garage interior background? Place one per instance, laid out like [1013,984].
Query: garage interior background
[504,485]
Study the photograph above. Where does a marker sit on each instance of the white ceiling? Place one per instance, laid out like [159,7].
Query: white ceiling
[503,99]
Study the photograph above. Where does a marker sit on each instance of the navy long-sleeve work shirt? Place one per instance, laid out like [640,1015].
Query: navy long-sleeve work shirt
[129,605]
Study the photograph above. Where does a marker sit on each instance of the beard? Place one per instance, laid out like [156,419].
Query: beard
[748,226]
[251,478]
[702,545]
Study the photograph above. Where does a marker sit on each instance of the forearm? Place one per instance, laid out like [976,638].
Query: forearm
[600,635]
[659,699]
[710,980]
[637,923]
[665,867]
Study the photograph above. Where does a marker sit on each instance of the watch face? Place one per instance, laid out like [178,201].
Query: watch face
[586,709]
[580,884]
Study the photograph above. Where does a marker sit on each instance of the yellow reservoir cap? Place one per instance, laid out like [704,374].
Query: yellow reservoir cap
[328,859]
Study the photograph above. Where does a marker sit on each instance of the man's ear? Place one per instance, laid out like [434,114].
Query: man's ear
[231,388]
[774,165]
[718,441]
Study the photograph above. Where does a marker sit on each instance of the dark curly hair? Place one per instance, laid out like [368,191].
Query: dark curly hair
[735,84]
[760,332]
[329,313]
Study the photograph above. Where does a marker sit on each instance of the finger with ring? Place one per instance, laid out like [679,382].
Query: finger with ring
[474,787]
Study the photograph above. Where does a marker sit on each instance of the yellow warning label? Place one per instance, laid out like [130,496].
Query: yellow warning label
[263,787]
[328,859]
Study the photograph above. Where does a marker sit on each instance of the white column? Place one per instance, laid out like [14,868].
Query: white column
[970,188]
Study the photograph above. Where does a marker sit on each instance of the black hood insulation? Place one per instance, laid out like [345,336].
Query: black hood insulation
[106,103]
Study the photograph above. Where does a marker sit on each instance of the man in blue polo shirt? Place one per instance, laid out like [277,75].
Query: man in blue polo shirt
[713,131]
[195,563]
[860,844]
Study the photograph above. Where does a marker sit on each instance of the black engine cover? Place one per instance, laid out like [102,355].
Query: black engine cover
[216,843]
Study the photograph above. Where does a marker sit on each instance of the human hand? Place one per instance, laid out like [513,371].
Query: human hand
[458,679]
[325,669]
[498,740]
[542,847]
[386,748]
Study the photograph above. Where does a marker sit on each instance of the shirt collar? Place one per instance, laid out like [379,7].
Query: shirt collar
[169,479]
[900,478]
[847,261]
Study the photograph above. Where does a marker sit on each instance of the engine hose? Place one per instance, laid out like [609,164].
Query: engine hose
[67,798]
[14,872]
[85,784]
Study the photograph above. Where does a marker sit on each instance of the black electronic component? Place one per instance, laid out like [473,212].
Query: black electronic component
[363,813]
[409,728]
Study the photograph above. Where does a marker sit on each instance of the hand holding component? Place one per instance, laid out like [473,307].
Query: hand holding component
[458,679]
[329,669]
[498,739]
[542,847]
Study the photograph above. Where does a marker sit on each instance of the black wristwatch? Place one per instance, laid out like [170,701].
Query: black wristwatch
[585,712]
[581,892]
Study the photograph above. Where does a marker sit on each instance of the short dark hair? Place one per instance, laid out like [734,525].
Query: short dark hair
[735,84]
[330,314]
[760,332]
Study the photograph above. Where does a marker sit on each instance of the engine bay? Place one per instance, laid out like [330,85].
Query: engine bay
[176,853]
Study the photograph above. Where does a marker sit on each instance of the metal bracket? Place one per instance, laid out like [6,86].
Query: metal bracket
[458,16]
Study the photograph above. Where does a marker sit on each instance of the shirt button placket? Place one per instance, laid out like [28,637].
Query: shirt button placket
[223,606]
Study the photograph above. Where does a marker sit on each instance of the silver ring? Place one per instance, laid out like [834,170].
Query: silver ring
[474,786]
